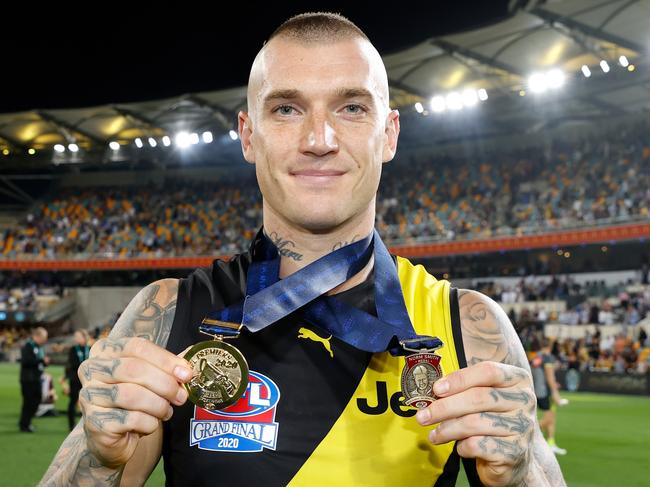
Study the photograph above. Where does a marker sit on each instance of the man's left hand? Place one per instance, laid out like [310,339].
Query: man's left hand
[489,409]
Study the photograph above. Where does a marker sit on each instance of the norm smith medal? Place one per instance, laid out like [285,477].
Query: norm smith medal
[420,372]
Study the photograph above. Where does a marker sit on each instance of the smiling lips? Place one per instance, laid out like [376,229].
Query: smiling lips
[317,175]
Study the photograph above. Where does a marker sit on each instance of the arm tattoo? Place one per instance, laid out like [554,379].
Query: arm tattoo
[75,465]
[509,449]
[150,315]
[517,424]
[153,315]
[284,246]
[488,335]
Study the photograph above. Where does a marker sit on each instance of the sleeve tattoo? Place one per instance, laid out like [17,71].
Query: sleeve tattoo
[488,335]
[149,315]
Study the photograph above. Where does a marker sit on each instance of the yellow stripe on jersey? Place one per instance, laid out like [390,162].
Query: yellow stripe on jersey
[385,446]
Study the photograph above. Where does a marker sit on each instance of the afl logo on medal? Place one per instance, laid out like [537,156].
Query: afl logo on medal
[248,425]
[420,372]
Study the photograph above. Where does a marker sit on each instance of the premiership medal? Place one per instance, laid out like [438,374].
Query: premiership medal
[220,371]
[421,370]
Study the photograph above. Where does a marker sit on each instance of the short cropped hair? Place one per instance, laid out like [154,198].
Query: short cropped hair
[39,331]
[316,27]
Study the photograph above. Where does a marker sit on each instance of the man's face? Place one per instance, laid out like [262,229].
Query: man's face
[318,130]
[421,380]
[40,338]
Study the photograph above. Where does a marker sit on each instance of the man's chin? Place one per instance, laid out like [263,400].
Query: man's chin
[318,221]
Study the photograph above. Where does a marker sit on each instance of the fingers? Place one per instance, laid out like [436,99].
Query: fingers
[475,400]
[483,374]
[130,397]
[492,449]
[143,349]
[481,424]
[136,371]
[114,422]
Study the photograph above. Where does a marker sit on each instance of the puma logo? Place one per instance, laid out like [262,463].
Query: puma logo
[307,333]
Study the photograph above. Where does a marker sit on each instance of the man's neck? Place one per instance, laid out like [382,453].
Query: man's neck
[299,247]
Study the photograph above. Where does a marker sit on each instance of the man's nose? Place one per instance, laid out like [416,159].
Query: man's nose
[319,137]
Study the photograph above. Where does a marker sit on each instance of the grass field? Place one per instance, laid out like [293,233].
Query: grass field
[607,438]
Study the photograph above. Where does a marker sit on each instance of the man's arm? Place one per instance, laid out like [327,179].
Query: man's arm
[150,316]
[489,408]
[488,336]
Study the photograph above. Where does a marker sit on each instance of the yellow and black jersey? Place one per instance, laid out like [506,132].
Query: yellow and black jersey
[317,411]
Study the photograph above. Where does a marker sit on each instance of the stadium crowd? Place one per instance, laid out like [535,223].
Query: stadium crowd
[599,180]
[613,353]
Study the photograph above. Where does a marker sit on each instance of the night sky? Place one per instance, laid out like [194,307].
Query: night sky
[119,58]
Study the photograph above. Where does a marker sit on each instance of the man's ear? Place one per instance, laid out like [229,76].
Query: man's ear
[391,135]
[244,125]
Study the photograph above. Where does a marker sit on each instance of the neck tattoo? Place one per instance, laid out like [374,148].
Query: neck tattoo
[284,246]
[338,245]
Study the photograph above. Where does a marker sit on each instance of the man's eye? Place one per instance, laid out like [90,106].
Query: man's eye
[354,108]
[284,109]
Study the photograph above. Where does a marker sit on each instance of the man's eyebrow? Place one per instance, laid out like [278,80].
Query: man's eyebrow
[353,93]
[282,94]
[291,93]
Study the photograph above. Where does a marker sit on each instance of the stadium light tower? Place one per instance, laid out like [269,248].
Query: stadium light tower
[586,71]
[114,145]
[233,135]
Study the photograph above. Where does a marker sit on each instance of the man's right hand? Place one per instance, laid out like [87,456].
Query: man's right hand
[129,385]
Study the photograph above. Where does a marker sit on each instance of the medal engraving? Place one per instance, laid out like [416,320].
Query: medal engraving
[220,375]
[420,372]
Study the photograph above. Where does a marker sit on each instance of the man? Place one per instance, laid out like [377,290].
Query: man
[423,387]
[32,363]
[78,353]
[318,129]
[547,392]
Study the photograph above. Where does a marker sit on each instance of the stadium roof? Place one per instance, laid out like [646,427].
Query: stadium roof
[499,58]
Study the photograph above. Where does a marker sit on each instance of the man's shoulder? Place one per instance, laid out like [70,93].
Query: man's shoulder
[488,334]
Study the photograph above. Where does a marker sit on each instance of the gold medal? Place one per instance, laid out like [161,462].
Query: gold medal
[220,374]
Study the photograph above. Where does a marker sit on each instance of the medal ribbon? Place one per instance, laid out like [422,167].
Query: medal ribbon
[269,298]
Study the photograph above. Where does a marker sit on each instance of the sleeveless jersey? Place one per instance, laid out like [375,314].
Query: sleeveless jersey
[317,411]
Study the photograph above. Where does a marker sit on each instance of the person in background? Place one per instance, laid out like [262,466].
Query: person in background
[547,391]
[78,353]
[32,363]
